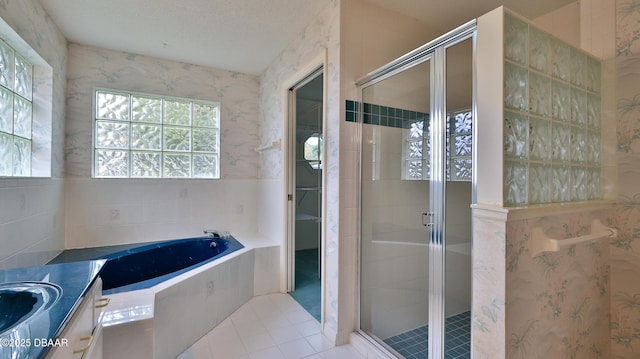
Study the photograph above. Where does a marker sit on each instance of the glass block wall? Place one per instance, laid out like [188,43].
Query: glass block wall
[16,113]
[146,136]
[552,138]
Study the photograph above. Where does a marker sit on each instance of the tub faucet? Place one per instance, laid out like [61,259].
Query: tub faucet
[214,233]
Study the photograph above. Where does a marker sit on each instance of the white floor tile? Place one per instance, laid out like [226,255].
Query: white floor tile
[341,352]
[258,342]
[272,326]
[222,334]
[299,315]
[285,334]
[199,350]
[308,327]
[275,320]
[296,349]
[231,349]
[269,353]
[244,314]
[284,302]
[249,328]
[319,342]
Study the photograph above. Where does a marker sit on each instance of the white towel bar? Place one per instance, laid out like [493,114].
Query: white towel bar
[540,242]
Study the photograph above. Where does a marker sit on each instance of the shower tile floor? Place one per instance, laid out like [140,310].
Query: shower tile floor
[413,344]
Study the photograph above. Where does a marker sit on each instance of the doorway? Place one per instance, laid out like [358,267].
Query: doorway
[416,191]
[305,189]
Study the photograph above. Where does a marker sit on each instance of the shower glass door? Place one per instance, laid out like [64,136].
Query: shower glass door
[458,199]
[395,193]
[416,190]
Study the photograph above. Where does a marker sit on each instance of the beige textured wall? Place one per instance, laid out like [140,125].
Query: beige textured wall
[625,261]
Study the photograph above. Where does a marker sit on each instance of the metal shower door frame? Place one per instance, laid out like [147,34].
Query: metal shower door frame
[435,51]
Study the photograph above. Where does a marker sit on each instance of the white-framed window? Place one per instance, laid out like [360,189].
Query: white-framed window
[16,113]
[139,135]
[313,151]
[417,147]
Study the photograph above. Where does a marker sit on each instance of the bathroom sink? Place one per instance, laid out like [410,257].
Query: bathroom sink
[20,301]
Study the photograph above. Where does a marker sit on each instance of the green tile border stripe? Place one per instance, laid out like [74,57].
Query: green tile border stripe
[383,115]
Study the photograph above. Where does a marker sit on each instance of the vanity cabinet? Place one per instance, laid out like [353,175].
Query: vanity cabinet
[83,332]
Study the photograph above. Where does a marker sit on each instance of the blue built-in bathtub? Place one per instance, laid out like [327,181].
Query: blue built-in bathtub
[133,267]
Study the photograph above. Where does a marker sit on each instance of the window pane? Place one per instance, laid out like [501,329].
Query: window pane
[112,134]
[462,169]
[22,117]
[177,165]
[313,148]
[415,149]
[177,112]
[148,136]
[205,115]
[113,106]
[146,109]
[205,166]
[463,122]
[145,137]
[177,138]
[6,110]
[21,157]
[24,78]
[463,145]
[6,65]
[145,164]
[416,129]
[6,146]
[415,169]
[112,163]
[205,140]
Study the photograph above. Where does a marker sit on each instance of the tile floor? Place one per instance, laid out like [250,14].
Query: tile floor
[272,326]
[457,334]
[307,291]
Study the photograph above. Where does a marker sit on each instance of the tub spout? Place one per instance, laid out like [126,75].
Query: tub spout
[214,233]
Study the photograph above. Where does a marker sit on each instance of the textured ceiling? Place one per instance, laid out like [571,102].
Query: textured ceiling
[238,35]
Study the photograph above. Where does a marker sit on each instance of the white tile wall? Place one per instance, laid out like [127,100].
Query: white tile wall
[31,211]
[31,221]
[186,310]
[113,211]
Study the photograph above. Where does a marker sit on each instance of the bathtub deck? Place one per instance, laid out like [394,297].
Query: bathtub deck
[83,254]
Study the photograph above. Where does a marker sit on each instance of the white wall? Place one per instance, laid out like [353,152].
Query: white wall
[350,23]
[112,211]
[319,39]
[31,210]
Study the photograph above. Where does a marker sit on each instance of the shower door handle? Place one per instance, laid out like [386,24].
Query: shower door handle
[426,219]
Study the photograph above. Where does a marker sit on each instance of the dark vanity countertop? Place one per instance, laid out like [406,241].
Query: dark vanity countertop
[75,279]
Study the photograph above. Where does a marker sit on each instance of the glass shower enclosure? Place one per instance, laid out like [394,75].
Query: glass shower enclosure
[417,120]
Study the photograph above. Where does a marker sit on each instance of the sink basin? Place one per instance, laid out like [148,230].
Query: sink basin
[20,301]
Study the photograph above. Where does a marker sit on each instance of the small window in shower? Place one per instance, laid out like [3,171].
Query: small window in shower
[459,143]
[313,151]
